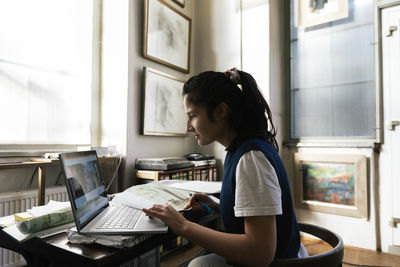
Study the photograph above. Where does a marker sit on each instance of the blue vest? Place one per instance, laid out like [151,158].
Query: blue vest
[288,237]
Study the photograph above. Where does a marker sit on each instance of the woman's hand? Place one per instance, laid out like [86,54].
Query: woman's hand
[169,216]
[195,205]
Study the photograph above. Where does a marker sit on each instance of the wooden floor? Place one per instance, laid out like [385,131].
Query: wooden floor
[352,256]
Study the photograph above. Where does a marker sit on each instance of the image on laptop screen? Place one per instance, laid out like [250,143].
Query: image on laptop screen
[86,189]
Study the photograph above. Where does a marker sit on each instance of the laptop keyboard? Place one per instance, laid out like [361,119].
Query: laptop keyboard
[122,217]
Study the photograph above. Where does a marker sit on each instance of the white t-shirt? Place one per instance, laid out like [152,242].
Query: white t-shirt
[257,188]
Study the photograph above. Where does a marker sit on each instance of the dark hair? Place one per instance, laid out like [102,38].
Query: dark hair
[249,113]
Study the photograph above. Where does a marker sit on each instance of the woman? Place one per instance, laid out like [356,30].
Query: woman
[255,202]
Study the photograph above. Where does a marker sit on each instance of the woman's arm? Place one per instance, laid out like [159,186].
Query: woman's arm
[255,248]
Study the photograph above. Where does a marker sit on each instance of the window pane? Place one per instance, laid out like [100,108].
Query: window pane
[357,100]
[312,119]
[255,42]
[332,68]
[45,71]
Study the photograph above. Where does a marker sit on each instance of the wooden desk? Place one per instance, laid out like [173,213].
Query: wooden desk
[41,171]
[57,251]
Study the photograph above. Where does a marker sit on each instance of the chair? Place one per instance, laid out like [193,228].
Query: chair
[331,258]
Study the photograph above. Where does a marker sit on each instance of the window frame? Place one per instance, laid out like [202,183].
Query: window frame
[341,142]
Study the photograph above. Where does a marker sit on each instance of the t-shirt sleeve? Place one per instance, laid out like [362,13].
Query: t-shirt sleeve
[257,188]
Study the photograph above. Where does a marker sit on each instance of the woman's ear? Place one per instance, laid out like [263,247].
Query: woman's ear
[221,111]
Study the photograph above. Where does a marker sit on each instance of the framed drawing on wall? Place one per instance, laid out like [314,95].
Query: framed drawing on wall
[167,34]
[314,12]
[334,184]
[180,2]
[163,110]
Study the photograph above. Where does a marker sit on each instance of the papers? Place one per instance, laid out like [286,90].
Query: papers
[47,216]
[132,200]
[50,207]
[45,221]
[7,221]
[118,241]
[175,193]
[48,219]
[199,186]
[16,234]
[22,216]
[146,195]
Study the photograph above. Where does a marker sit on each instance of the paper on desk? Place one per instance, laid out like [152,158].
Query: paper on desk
[50,207]
[118,241]
[45,221]
[132,200]
[7,221]
[146,195]
[54,217]
[16,234]
[199,186]
[50,215]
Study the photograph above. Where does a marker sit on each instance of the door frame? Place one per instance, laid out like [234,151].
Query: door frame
[384,232]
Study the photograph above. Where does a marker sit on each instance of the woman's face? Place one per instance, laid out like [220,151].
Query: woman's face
[204,130]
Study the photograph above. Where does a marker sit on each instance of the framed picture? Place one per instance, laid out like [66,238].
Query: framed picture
[334,184]
[167,35]
[314,12]
[163,110]
[180,2]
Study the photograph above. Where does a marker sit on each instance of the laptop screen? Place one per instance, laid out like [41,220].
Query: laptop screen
[85,188]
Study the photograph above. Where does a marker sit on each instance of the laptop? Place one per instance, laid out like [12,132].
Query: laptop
[93,212]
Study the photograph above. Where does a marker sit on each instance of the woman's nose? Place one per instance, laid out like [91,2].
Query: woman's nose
[189,127]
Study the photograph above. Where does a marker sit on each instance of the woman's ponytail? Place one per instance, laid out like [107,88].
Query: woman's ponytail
[259,116]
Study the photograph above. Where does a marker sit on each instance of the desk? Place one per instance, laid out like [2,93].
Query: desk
[41,171]
[57,251]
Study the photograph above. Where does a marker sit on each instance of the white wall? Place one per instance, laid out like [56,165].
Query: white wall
[219,46]
[278,65]
[217,35]
[123,68]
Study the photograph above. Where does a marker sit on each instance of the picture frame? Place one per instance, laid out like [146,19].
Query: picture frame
[163,110]
[167,35]
[335,184]
[179,2]
[312,13]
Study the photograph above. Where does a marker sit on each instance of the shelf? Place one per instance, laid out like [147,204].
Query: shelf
[26,164]
[41,164]
[199,173]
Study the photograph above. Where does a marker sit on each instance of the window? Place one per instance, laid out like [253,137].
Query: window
[46,71]
[255,42]
[332,76]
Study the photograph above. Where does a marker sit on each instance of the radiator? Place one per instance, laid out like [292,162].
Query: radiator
[13,202]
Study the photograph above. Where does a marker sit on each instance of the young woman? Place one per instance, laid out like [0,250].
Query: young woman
[255,201]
